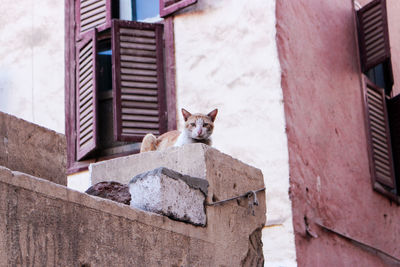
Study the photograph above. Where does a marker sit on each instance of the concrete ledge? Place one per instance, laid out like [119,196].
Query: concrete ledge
[49,224]
[32,149]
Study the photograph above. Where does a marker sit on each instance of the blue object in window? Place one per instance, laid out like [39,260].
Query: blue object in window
[144,9]
[106,52]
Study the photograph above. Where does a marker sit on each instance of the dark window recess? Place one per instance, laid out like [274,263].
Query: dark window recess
[393,106]
[104,61]
[381,75]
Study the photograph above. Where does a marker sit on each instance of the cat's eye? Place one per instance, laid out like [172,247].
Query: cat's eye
[205,124]
[193,124]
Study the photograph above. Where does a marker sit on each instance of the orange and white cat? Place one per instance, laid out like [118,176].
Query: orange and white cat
[198,129]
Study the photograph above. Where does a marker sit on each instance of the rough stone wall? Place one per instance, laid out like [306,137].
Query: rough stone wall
[329,169]
[32,149]
[50,225]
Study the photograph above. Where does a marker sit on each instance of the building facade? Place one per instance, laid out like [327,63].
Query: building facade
[286,76]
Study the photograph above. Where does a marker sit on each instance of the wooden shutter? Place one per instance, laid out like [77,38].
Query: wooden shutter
[379,135]
[373,34]
[138,80]
[168,7]
[92,14]
[86,95]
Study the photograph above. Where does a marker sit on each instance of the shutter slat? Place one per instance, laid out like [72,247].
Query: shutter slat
[138,46]
[142,125]
[85,75]
[139,72]
[85,60]
[140,85]
[136,39]
[95,12]
[139,98]
[138,53]
[138,66]
[139,78]
[138,111]
[86,51]
[130,91]
[139,59]
[139,118]
[87,113]
[144,105]
[140,132]
[85,5]
[137,32]
[382,169]
[92,22]
[85,140]
[86,87]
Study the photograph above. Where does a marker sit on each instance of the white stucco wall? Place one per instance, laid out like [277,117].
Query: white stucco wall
[226,58]
[32,61]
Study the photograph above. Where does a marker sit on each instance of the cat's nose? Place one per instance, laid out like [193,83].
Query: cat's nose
[199,131]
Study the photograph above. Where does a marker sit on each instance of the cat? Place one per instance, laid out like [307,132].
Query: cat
[198,129]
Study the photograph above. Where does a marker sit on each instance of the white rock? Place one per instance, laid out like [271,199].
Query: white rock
[170,193]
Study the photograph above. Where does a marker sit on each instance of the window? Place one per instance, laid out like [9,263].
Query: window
[382,110]
[119,76]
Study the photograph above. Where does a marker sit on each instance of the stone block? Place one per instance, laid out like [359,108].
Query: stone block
[188,159]
[111,190]
[32,149]
[169,193]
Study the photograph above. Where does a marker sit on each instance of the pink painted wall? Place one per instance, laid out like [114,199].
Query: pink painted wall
[329,168]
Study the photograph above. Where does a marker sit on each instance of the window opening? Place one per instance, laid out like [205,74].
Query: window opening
[381,76]
[139,10]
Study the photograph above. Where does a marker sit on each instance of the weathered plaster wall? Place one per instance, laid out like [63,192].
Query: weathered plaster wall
[226,58]
[329,168]
[32,61]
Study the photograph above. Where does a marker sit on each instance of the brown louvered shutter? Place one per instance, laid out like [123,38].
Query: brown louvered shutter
[379,134]
[92,14]
[373,34]
[86,95]
[168,7]
[138,80]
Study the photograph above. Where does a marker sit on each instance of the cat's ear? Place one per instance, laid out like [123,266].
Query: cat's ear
[186,114]
[213,114]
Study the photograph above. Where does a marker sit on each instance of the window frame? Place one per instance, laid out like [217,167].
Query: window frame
[71,37]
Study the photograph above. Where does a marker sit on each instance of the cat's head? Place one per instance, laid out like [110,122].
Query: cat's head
[199,126]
